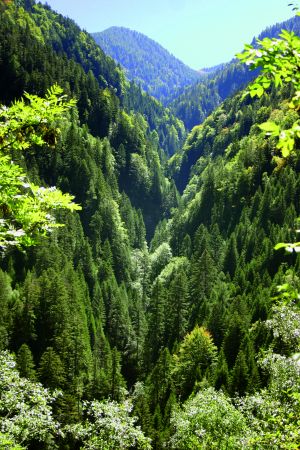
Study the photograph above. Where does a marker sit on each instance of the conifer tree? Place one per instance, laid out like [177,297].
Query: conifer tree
[202,280]
[233,338]
[231,256]
[159,381]
[5,301]
[102,366]
[221,373]
[216,321]
[177,323]
[155,339]
[117,382]
[25,363]
[240,375]
[141,407]
[51,370]
[139,325]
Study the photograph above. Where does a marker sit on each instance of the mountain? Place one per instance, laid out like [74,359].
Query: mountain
[157,71]
[198,101]
[150,320]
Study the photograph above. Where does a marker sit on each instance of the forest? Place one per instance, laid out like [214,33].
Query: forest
[146,62]
[149,270]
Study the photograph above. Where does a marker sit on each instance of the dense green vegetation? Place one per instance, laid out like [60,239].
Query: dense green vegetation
[150,320]
[146,62]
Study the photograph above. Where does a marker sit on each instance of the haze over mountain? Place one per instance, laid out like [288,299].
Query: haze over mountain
[146,62]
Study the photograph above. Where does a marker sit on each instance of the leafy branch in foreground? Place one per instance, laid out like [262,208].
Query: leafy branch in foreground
[26,210]
[31,120]
[279,61]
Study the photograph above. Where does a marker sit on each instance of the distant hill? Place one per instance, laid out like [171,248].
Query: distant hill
[157,71]
[196,102]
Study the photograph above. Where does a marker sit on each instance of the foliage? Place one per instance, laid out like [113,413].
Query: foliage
[92,311]
[7,442]
[273,415]
[25,409]
[279,61]
[208,420]
[25,207]
[109,426]
[195,354]
[30,121]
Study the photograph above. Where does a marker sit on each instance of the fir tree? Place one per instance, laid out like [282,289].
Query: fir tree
[25,363]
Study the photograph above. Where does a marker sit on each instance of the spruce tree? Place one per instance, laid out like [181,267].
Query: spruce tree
[178,303]
[155,339]
[117,382]
[202,281]
[51,371]
[240,375]
[221,373]
[231,256]
[25,363]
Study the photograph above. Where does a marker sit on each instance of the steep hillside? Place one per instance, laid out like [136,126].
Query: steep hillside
[157,71]
[41,47]
[199,100]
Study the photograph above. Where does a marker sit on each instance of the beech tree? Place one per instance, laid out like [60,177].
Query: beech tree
[195,354]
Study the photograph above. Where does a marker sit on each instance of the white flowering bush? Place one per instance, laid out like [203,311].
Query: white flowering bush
[272,422]
[285,319]
[273,414]
[209,420]
[25,409]
[109,426]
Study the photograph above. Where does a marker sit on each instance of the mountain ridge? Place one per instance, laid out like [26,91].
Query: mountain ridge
[146,61]
[196,102]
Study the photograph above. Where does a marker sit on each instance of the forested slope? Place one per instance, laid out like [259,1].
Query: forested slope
[146,62]
[147,304]
[34,55]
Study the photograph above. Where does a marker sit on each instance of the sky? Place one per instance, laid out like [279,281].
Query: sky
[201,33]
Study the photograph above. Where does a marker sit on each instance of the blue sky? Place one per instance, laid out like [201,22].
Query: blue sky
[201,33]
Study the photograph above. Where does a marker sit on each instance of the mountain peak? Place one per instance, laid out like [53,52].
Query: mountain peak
[145,61]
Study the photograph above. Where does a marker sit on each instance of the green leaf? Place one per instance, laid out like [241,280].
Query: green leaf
[259,91]
[281,245]
[285,151]
[270,127]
